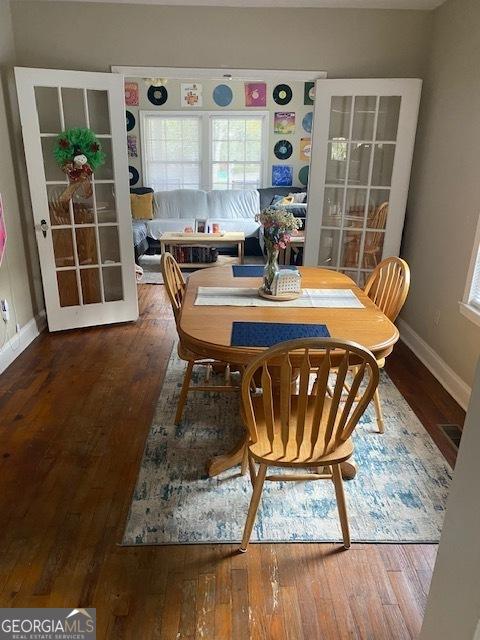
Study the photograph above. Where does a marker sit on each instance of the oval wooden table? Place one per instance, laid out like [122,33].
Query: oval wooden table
[206,330]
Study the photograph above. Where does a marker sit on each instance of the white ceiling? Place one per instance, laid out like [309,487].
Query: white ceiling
[351,4]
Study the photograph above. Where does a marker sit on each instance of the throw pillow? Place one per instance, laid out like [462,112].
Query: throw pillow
[142,206]
[298,197]
[283,201]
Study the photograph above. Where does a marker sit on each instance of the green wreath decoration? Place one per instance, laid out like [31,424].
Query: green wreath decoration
[77,141]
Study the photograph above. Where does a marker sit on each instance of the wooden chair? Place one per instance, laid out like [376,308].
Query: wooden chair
[175,285]
[388,287]
[305,428]
[374,239]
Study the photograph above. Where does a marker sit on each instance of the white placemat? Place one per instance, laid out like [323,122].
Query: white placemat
[248,297]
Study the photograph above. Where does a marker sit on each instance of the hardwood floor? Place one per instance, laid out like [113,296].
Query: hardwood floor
[75,411]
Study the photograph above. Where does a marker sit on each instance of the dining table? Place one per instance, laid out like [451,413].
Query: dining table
[206,329]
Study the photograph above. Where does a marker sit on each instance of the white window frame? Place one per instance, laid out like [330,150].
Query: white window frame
[170,114]
[467,308]
[264,143]
[206,138]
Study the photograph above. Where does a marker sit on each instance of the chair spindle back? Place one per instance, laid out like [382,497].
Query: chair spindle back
[174,282]
[378,222]
[388,286]
[322,423]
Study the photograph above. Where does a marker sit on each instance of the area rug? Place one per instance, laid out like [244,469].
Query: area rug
[398,495]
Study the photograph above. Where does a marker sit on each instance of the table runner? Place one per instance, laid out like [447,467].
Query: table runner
[249,297]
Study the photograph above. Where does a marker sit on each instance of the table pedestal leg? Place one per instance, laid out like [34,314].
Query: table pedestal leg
[227,460]
[349,470]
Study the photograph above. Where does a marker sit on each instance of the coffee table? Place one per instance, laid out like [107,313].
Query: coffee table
[211,240]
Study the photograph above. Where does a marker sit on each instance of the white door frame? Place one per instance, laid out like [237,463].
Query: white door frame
[409,91]
[90,314]
[189,73]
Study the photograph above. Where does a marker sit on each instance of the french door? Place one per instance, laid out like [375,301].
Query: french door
[362,146]
[84,238]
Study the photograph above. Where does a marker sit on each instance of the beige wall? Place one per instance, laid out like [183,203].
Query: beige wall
[16,275]
[346,43]
[444,201]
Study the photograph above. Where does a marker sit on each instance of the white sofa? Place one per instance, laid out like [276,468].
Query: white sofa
[233,210]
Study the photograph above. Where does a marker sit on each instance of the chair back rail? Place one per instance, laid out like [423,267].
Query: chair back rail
[388,286]
[308,418]
[174,282]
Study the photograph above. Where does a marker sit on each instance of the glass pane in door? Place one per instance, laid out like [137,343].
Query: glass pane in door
[388,117]
[329,242]
[73,105]
[63,247]
[340,116]
[98,111]
[67,288]
[48,110]
[364,118]
[91,292]
[112,283]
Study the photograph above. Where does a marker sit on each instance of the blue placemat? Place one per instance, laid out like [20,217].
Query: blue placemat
[266,334]
[252,270]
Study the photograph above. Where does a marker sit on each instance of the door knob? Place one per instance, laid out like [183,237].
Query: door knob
[44,227]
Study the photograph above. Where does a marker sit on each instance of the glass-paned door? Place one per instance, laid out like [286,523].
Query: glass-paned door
[362,146]
[83,229]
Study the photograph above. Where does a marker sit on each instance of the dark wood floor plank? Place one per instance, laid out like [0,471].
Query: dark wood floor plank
[75,411]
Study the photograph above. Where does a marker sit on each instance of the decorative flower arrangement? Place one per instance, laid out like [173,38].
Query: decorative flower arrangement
[78,153]
[278,227]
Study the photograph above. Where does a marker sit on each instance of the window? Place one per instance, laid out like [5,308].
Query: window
[205,150]
[471,300]
[171,151]
[236,152]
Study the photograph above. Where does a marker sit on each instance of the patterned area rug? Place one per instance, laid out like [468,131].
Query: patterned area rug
[398,495]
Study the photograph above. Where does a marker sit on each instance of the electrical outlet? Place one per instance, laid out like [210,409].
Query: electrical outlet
[4,310]
[436,318]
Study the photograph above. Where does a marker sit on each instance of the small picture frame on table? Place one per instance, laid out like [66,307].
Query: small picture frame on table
[200,225]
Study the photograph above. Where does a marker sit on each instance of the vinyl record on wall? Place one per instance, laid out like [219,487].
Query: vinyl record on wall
[157,95]
[283,149]
[222,95]
[307,122]
[134,175]
[130,120]
[303,175]
[282,94]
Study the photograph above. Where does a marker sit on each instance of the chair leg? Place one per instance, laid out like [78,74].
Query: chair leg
[244,467]
[252,469]
[378,411]
[341,504]
[252,510]
[184,392]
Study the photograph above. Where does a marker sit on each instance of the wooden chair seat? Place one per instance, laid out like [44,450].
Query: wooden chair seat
[263,451]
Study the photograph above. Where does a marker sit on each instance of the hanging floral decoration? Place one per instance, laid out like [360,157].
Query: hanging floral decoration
[78,153]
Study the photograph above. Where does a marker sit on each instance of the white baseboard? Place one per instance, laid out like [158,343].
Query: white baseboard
[447,377]
[20,341]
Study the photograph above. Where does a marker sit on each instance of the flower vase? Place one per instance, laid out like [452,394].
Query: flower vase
[271,268]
